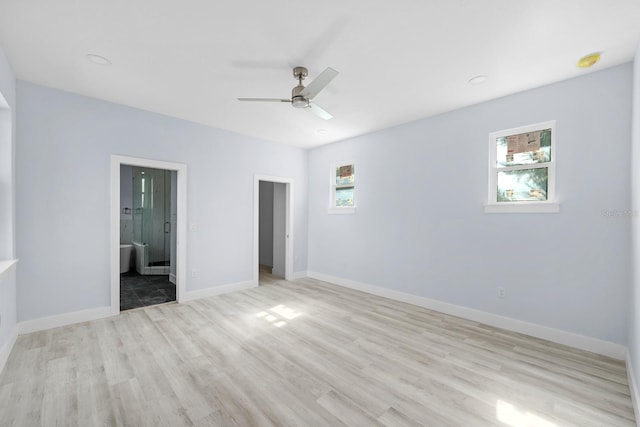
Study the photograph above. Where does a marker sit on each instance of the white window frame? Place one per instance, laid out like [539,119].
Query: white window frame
[333,209]
[544,206]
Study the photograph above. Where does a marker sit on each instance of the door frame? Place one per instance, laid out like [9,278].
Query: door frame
[288,244]
[181,228]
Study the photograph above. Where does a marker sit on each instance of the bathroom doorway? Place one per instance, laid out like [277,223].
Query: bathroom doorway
[148,223]
[147,236]
[273,229]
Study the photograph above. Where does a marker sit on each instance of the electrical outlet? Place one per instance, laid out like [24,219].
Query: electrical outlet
[502,292]
[193,273]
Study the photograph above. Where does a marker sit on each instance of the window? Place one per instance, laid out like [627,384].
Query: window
[522,169]
[343,189]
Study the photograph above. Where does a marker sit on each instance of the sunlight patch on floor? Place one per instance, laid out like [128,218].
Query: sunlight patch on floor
[284,311]
[280,312]
[512,416]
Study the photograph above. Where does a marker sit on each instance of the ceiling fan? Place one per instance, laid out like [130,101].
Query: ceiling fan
[301,96]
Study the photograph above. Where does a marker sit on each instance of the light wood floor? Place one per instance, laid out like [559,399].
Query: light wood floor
[303,354]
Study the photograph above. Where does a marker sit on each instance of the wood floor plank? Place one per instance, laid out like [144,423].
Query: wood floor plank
[304,353]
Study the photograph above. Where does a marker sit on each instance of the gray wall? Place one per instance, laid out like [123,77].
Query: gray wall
[420,227]
[634,299]
[266,223]
[63,195]
[8,309]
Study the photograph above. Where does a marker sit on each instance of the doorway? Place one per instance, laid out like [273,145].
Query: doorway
[148,232]
[147,236]
[273,229]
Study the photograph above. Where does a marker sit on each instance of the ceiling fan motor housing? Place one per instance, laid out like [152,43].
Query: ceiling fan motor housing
[297,100]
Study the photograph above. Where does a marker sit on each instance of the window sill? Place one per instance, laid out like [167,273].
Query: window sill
[338,211]
[522,207]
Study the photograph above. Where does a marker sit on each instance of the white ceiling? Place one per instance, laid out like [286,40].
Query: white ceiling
[398,61]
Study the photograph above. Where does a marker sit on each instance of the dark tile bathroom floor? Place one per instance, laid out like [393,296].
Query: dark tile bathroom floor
[140,291]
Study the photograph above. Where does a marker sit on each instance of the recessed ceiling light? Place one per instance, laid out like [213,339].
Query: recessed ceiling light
[477,80]
[97,59]
[588,60]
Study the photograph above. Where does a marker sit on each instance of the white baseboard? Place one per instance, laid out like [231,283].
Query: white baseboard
[65,319]
[172,278]
[218,290]
[7,347]
[299,275]
[571,339]
[633,386]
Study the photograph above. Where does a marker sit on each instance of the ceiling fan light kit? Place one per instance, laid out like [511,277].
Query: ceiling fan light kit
[301,96]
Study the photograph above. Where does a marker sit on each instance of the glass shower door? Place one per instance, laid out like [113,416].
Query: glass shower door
[152,229]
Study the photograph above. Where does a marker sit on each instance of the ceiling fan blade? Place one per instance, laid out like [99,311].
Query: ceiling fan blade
[319,83]
[319,111]
[264,99]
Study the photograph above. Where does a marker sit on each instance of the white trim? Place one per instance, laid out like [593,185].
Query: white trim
[299,275]
[181,233]
[342,210]
[571,339]
[44,323]
[8,163]
[6,265]
[288,248]
[65,319]
[218,290]
[633,386]
[522,207]
[548,206]
[333,209]
[5,351]
[172,278]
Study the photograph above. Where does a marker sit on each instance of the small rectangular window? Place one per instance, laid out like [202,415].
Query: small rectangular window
[343,188]
[522,169]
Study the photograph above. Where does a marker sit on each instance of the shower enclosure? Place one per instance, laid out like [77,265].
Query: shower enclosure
[152,219]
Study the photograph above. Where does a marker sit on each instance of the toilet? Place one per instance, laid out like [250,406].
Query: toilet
[125,257]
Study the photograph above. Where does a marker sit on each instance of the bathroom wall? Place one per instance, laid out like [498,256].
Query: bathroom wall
[65,146]
[126,201]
